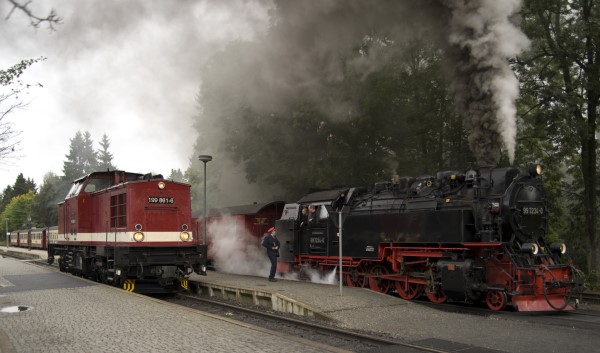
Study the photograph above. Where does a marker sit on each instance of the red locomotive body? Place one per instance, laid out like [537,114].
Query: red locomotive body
[128,229]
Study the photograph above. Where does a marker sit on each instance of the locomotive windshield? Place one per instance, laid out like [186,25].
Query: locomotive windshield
[98,182]
[75,189]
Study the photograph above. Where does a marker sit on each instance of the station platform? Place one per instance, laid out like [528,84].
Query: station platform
[44,310]
[33,254]
[417,322]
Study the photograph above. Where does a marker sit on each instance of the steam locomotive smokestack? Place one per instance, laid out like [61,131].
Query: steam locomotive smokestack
[482,37]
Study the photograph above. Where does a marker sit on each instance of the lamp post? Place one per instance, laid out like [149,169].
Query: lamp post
[7,219]
[205,159]
[340,250]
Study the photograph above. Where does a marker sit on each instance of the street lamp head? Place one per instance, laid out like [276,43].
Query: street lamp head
[205,158]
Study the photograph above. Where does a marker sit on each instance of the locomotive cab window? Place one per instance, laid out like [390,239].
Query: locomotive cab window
[322,212]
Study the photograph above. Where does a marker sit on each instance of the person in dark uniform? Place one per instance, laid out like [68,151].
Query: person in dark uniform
[303,221]
[271,242]
[312,214]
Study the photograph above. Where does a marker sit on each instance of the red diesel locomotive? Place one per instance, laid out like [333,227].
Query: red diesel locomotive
[130,230]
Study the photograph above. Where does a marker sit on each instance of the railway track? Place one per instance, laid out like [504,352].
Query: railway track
[590,298]
[305,328]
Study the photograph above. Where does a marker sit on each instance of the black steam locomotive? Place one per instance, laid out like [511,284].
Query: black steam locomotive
[466,237]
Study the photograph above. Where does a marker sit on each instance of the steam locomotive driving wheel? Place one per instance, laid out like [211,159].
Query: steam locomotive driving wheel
[378,284]
[356,277]
[496,300]
[436,295]
[408,290]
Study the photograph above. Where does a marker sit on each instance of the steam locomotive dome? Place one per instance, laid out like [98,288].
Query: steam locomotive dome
[527,208]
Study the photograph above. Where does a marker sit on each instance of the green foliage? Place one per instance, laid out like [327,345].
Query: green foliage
[83,159]
[19,211]
[592,281]
[11,75]
[559,105]
[20,187]
[398,119]
[104,156]
[52,191]
[177,175]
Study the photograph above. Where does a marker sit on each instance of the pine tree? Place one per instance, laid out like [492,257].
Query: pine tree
[81,159]
[89,155]
[20,187]
[177,175]
[72,167]
[104,156]
[52,191]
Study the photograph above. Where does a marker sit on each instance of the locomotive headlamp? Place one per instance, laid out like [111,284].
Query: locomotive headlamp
[185,236]
[161,185]
[184,227]
[530,248]
[138,236]
[535,169]
[558,248]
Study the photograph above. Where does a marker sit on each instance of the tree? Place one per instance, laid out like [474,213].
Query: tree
[44,207]
[104,156]
[561,81]
[362,128]
[19,211]
[177,175]
[12,90]
[20,187]
[81,159]
[9,101]
[51,19]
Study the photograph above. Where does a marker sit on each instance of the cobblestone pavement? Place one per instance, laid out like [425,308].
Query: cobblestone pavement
[99,318]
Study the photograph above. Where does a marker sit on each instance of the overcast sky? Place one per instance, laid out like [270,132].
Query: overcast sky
[128,69]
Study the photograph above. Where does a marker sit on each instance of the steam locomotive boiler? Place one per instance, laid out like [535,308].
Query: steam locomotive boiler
[130,230]
[474,236]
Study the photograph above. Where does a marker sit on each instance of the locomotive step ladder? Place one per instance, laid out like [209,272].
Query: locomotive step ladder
[110,263]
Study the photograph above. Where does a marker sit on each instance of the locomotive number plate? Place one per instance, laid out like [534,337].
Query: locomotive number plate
[533,211]
[161,199]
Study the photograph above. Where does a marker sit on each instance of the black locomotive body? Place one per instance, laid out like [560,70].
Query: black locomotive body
[460,236]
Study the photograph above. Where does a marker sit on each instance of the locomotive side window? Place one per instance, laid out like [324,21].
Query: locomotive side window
[118,211]
[323,214]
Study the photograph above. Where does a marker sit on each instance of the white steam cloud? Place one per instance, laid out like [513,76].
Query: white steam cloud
[235,250]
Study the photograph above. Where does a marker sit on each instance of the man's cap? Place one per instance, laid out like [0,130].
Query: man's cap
[271,230]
